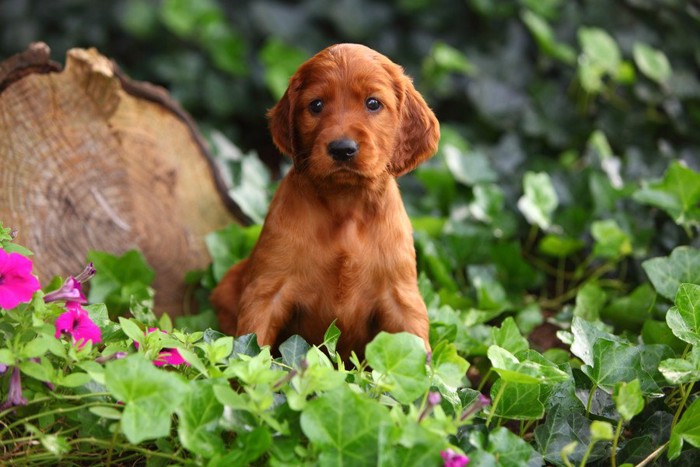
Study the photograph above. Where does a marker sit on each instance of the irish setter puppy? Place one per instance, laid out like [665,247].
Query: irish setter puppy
[337,242]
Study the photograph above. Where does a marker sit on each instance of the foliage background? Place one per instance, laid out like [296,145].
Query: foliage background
[569,158]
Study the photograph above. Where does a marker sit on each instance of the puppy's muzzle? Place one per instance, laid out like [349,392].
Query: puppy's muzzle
[343,150]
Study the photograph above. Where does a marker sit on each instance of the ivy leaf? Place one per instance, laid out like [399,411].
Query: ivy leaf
[518,401]
[281,61]
[293,350]
[667,273]
[611,241]
[198,416]
[600,48]
[448,366]
[544,36]
[150,396]
[511,450]
[652,62]
[679,371]
[589,301]
[684,318]
[615,362]
[539,201]
[345,427]
[687,429]
[560,246]
[561,426]
[120,279]
[399,361]
[230,245]
[508,337]
[677,193]
[512,369]
[628,398]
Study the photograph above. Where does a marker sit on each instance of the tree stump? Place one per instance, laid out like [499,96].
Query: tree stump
[90,160]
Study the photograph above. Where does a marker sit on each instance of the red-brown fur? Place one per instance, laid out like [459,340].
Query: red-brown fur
[337,242]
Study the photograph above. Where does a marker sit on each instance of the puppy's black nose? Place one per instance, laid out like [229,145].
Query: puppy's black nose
[342,150]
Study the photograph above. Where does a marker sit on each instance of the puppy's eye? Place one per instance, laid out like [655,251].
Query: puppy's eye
[373,104]
[316,106]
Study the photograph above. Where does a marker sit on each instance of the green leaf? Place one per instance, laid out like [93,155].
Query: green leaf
[132,330]
[345,427]
[687,429]
[518,401]
[331,337]
[601,431]
[546,41]
[399,362]
[448,365]
[667,273]
[508,337]
[150,396]
[511,450]
[198,416]
[615,362]
[684,318]
[280,61]
[631,311]
[230,245]
[652,62]
[611,241]
[679,371]
[600,49]
[677,193]
[120,279]
[589,301]
[468,167]
[561,426]
[559,246]
[527,371]
[628,398]
[539,201]
[293,350]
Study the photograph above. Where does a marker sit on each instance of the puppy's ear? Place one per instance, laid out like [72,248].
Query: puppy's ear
[281,119]
[419,131]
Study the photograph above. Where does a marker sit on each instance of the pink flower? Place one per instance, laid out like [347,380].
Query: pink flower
[17,284]
[451,458]
[72,289]
[76,322]
[14,392]
[166,356]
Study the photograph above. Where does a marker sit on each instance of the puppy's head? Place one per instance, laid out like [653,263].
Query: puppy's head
[350,116]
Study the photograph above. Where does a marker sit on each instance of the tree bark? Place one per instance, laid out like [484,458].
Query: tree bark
[90,160]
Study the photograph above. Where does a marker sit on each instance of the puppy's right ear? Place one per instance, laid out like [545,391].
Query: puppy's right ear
[281,118]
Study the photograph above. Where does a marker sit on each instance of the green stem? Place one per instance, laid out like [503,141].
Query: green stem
[484,380]
[494,405]
[613,457]
[130,447]
[58,411]
[584,460]
[590,399]
[685,392]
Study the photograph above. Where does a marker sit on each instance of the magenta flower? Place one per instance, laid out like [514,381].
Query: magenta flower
[14,393]
[72,289]
[76,322]
[17,284]
[451,458]
[166,356]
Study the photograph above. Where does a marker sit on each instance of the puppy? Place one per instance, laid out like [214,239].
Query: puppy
[337,242]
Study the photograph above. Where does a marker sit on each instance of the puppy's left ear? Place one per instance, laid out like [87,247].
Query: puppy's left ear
[419,131]
[281,119]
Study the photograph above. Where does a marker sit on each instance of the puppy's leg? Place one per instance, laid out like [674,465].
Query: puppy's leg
[265,311]
[404,311]
[227,295]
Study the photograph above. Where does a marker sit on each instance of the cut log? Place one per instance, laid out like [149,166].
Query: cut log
[90,160]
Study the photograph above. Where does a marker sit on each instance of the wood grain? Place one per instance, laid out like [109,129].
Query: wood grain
[85,164]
